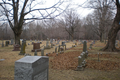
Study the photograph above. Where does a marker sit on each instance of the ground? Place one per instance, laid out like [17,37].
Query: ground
[62,67]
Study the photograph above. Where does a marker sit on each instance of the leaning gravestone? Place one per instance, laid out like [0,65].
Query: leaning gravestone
[32,68]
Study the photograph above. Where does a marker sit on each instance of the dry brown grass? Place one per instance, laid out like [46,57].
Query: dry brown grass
[7,66]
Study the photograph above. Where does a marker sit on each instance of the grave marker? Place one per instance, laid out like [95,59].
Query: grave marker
[32,68]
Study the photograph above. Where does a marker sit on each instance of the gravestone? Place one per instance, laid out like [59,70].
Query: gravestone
[55,49]
[90,46]
[35,54]
[6,43]
[79,67]
[32,68]
[12,41]
[22,52]
[42,52]
[36,46]
[85,46]
[2,44]
[47,45]
[16,47]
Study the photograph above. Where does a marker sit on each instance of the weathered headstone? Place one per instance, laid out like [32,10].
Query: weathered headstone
[6,43]
[90,46]
[35,54]
[42,52]
[55,49]
[22,52]
[12,41]
[36,46]
[84,46]
[2,44]
[16,47]
[47,45]
[32,68]
[79,67]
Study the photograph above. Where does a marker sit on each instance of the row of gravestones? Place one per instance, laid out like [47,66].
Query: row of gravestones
[7,43]
[36,67]
[82,57]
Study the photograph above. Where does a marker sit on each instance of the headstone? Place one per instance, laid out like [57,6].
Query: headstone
[22,52]
[12,41]
[79,67]
[2,44]
[42,52]
[90,46]
[6,43]
[84,46]
[63,43]
[55,49]
[36,46]
[47,45]
[16,47]
[35,54]
[32,68]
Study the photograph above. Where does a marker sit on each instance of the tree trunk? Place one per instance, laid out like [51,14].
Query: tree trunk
[17,38]
[110,46]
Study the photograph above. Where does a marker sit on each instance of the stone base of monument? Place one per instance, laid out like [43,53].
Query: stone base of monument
[79,68]
[16,47]
[47,47]
[38,50]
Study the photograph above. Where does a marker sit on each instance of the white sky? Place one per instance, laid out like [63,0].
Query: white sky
[82,11]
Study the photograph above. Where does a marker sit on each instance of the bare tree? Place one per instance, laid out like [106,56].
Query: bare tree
[19,12]
[102,16]
[110,46]
[71,21]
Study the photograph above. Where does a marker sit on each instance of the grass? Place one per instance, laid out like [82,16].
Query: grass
[7,66]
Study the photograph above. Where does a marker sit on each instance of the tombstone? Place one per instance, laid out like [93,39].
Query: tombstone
[12,41]
[79,67]
[51,40]
[36,46]
[55,49]
[51,45]
[58,42]
[35,54]
[59,48]
[47,46]
[63,43]
[83,58]
[90,46]
[22,52]
[16,47]
[42,52]
[32,68]
[2,44]
[6,43]
[84,46]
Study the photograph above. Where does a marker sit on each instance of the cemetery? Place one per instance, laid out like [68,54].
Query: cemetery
[74,63]
[60,40]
